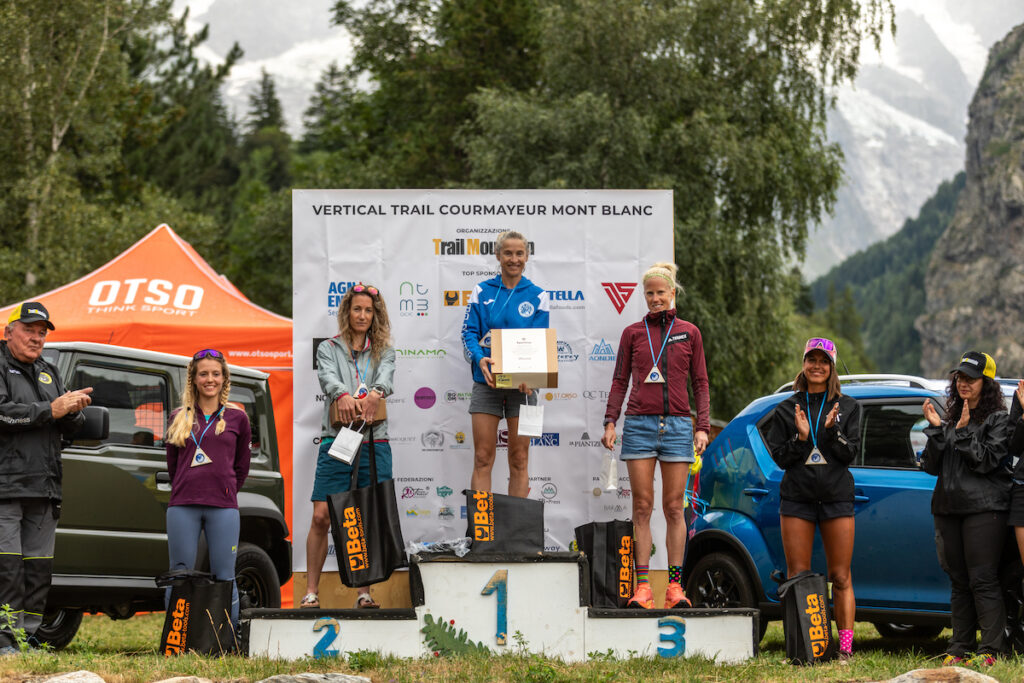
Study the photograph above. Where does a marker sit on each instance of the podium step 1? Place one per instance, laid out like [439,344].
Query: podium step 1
[537,603]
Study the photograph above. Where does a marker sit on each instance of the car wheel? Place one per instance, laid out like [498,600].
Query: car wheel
[59,627]
[256,577]
[907,631]
[719,580]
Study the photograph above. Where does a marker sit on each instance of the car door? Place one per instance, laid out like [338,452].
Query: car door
[114,515]
[894,560]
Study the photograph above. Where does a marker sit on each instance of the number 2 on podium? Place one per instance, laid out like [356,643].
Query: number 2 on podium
[498,583]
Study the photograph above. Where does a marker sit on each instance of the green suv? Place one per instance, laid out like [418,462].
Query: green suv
[112,534]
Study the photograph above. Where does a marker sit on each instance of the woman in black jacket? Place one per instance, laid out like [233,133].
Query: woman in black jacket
[968,454]
[814,435]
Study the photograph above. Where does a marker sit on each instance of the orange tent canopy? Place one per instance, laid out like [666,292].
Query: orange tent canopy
[161,295]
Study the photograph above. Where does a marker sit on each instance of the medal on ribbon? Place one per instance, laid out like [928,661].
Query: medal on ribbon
[200,458]
[815,458]
[655,376]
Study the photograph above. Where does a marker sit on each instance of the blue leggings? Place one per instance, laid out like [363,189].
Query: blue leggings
[184,523]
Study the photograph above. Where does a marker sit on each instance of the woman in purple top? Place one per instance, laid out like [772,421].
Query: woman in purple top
[208,460]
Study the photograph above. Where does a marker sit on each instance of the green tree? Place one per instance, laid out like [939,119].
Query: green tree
[723,101]
[265,110]
[267,147]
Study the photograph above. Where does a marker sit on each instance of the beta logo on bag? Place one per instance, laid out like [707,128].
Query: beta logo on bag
[177,637]
[817,632]
[355,547]
[483,516]
[626,567]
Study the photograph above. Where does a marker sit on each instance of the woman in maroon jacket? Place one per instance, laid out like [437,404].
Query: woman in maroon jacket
[659,353]
[208,460]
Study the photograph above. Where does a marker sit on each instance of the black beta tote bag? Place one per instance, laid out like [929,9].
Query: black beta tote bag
[609,550]
[198,614]
[365,525]
[504,524]
[807,619]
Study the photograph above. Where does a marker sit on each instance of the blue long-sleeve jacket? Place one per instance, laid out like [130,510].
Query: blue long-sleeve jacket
[494,307]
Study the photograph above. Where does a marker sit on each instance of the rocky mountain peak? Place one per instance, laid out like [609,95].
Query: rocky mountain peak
[975,280]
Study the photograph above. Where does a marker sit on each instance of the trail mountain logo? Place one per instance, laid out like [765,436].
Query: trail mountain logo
[619,293]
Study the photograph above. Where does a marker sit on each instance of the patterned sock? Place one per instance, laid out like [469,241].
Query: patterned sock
[642,570]
[846,640]
[675,573]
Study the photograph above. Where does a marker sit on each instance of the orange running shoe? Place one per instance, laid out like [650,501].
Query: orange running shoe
[642,597]
[675,598]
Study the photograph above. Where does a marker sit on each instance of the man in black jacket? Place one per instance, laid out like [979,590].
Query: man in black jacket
[35,413]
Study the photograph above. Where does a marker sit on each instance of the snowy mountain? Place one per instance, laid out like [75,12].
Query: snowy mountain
[901,125]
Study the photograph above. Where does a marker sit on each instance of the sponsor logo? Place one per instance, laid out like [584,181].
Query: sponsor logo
[460,437]
[143,294]
[417,512]
[44,378]
[626,566]
[586,442]
[502,438]
[603,351]
[574,546]
[565,295]
[445,512]
[421,353]
[335,291]
[619,293]
[549,491]
[546,439]
[451,396]
[415,492]
[424,397]
[469,246]
[618,508]
[177,637]
[355,546]
[457,297]
[462,512]
[459,441]
[592,394]
[412,300]
[676,338]
[401,439]
[483,516]
[623,492]
[565,354]
[817,634]
[432,440]
[444,491]
[560,395]
[526,309]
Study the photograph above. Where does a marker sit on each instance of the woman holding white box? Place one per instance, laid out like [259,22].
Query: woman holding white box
[659,353]
[506,301]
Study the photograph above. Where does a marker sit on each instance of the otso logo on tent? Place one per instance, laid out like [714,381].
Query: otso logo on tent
[142,294]
[619,293]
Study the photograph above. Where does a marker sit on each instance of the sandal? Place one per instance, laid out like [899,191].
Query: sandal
[364,601]
[310,601]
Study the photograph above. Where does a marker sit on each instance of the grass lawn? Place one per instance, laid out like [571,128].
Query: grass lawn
[125,652]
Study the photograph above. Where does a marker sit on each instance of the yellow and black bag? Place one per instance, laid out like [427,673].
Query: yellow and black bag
[609,550]
[807,619]
[504,524]
[198,614]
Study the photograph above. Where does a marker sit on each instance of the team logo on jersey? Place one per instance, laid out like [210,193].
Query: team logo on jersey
[526,309]
[619,293]
[44,378]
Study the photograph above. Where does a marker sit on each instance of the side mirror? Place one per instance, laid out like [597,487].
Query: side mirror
[97,424]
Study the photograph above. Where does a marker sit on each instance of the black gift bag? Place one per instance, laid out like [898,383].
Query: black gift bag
[198,614]
[366,528]
[807,619]
[609,550]
[504,524]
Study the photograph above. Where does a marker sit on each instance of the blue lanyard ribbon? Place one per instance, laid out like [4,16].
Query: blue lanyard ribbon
[212,420]
[651,345]
[491,313]
[366,369]
[814,432]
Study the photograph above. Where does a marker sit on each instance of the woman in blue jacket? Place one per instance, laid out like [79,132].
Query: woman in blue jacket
[506,301]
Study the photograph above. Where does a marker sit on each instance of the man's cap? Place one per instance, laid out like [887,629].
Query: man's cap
[975,364]
[31,312]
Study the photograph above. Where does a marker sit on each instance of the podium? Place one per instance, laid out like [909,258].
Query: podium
[533,603]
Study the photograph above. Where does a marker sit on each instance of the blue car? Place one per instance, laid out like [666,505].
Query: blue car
[736,543]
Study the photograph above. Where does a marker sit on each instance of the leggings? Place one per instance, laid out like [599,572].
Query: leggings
[184,523]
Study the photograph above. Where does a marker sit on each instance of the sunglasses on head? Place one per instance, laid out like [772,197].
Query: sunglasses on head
[819,343]
[361,289]
[208,353]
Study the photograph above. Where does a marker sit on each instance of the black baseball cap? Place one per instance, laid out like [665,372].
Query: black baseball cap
[31,312]
[975,364]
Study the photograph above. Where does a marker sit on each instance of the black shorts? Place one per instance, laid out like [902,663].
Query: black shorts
[1016,506]
[816,512]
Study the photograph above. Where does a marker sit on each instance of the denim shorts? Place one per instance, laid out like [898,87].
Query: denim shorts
[500,402]
[333,476]
[666,437]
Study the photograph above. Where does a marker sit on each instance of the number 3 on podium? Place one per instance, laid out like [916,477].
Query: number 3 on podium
[498,583]
[675,637]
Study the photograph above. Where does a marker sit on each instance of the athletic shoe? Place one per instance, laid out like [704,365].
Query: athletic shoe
[845,657]
[952,660]
[642,598]
[981,660]
[675,598]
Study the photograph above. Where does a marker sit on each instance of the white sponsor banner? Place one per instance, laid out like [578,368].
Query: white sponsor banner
[425,251]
